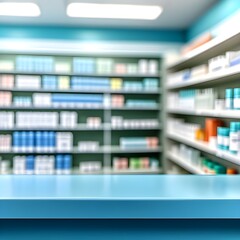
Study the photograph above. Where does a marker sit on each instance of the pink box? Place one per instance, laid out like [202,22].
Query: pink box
[7,81]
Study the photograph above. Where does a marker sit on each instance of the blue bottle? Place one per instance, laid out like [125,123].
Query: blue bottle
[38,140]
[30,141]
[16,141]
[30,164]
[236,99]
[23,142]
[52,141]
[67,164]
[45,141]
[59,164]
[229,98]
[234,137]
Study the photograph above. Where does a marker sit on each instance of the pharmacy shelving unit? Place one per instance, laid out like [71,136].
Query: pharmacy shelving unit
[108,136]
[219,80]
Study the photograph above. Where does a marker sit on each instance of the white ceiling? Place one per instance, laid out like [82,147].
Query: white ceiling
[177,14]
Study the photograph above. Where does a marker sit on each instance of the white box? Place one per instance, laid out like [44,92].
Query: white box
[64,141]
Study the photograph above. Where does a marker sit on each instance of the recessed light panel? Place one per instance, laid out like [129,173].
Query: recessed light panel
[117,11]
[19,9]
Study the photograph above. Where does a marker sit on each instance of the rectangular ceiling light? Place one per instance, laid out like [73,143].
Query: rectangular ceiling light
[117,11]
[19,9]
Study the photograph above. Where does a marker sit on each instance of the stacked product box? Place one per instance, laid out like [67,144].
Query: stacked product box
[42,99]
[62,67]
[77,99]
[68,119]
[117,101]
[42,141]
[132,85]
[22,101]
[228,138]
[6,65]
[49,82]
[90,167]
[90,83]
[5,166]
[5,99]
[94,122]
[5,142]
[88,146]
[28,82]
[6,120]
[148,66]
[141,103]
[67,100]
[138,142]
[37,119]
[63,83]
[135,163]
[84,65]
[132,68]
[34,64]
[119,122]
[120,68]
[59,164]
[116,83]
[6,81]
[42,120]
[104,65]
[150,83]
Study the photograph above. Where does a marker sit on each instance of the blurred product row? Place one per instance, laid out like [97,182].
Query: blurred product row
[68,119]
[222,62]
[214,133]
[50,141]
[194,158]
[63,164]
[72,100]
[78,65]
[204,99]
[51,82]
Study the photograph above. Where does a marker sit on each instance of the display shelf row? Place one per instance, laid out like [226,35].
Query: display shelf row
[210,49]
[143,92]
[134,75]
[82,127]
[79,108]
[109,171]
[217,77]
[235,114]
[203,146]
[100,150]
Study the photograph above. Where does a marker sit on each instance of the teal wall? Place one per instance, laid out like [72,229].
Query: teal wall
[219,12]
[91,34]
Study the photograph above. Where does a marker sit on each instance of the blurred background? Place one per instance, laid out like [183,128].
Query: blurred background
[119,87]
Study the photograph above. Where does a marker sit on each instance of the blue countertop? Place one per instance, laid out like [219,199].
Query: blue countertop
[113,196]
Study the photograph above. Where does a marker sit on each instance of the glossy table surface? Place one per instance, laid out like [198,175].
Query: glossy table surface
[120,196]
